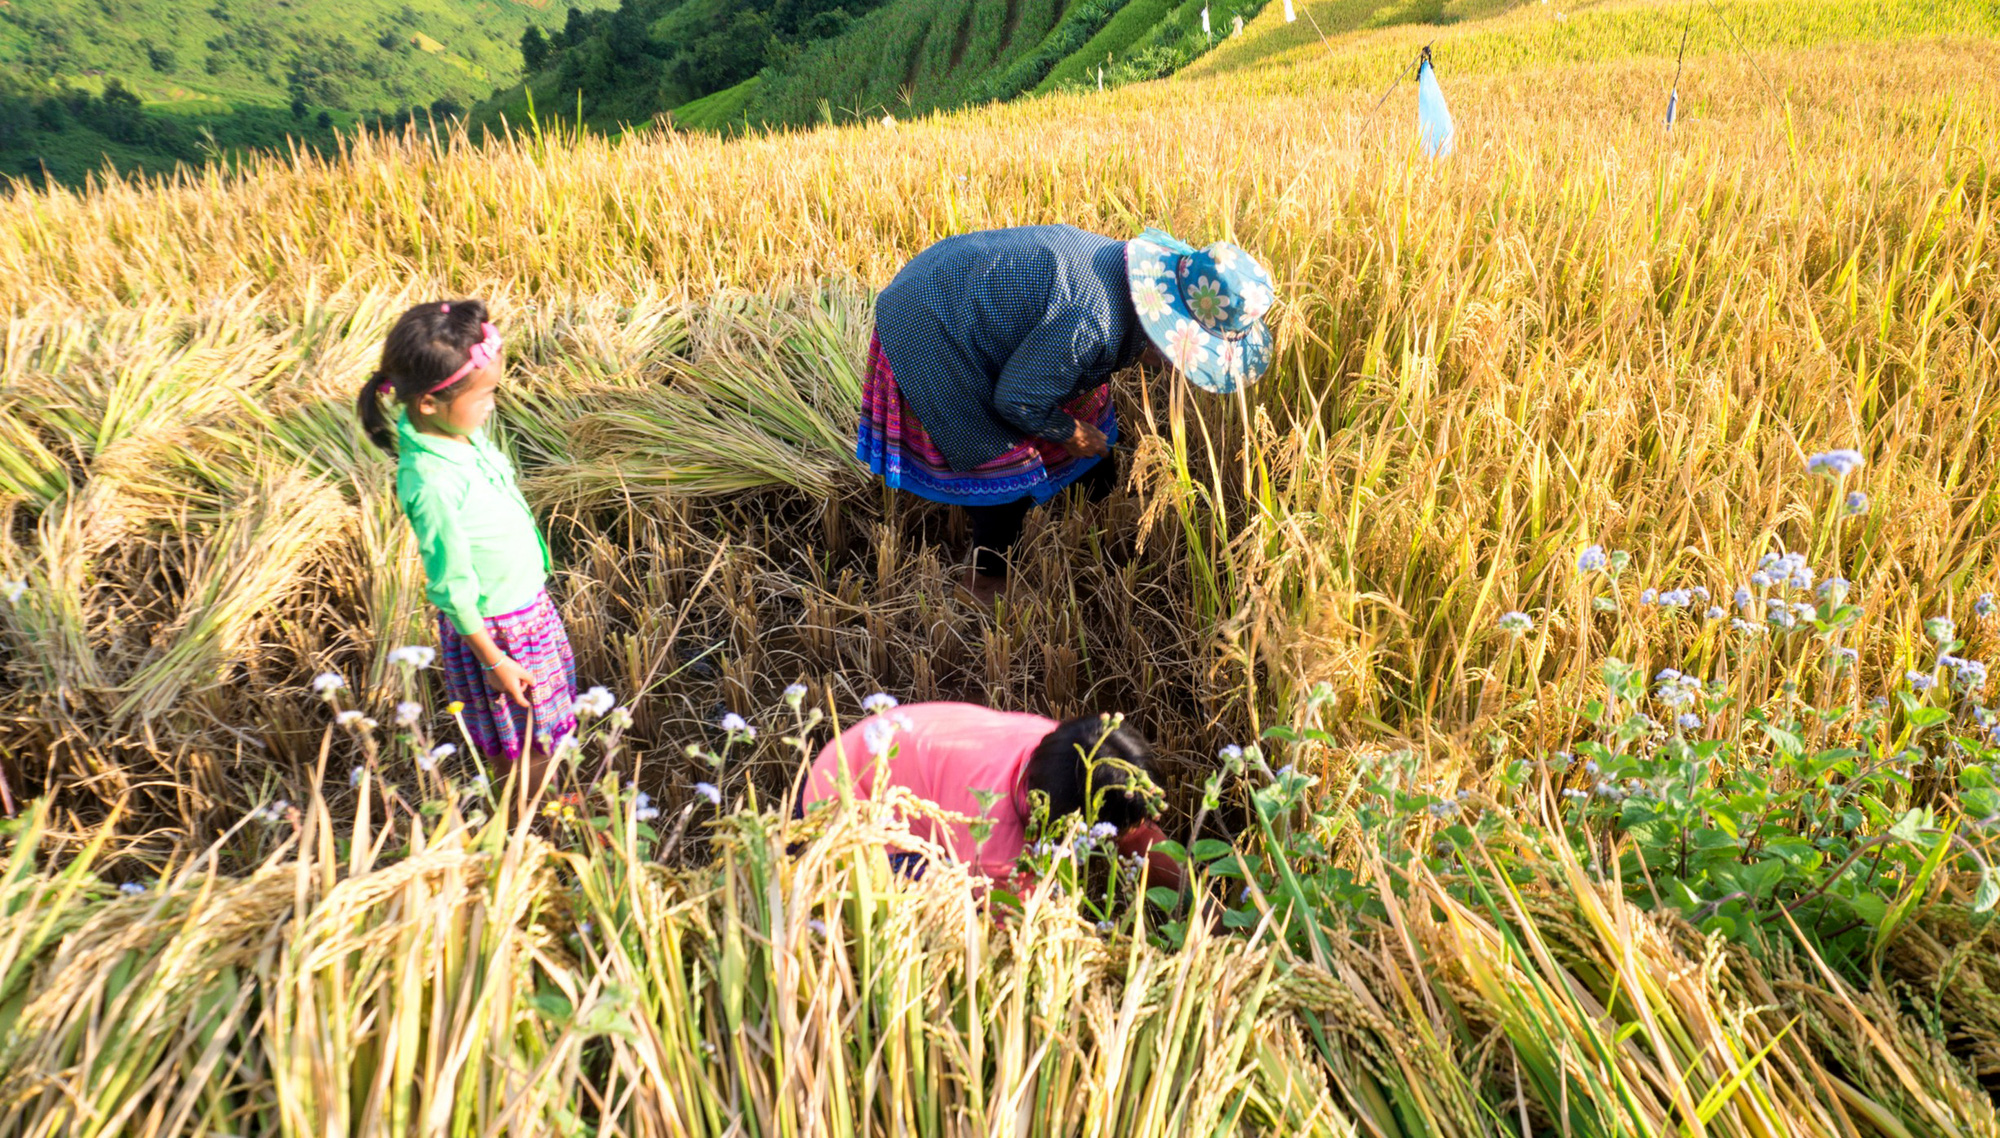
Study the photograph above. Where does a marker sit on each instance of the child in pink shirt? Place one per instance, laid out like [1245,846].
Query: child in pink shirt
[952,753]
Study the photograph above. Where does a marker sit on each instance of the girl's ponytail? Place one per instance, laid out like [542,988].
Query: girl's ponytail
[425,347]
[375,421]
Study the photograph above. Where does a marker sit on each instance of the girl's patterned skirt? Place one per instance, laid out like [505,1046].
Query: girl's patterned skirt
[895,446]
[534,638]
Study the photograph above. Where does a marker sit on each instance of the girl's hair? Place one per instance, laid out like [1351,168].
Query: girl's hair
[1084,764]
[428,343]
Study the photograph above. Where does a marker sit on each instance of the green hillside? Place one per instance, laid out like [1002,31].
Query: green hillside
[216,55]
[626,66]
[1132,22]
[212,76]
[810,63]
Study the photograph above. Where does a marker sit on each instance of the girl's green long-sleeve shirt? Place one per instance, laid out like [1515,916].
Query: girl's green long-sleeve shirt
[483,554]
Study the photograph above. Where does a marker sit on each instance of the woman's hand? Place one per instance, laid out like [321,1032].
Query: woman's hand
[513,680]
[1087,441]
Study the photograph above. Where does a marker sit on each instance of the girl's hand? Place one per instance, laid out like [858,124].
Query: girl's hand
[513,680]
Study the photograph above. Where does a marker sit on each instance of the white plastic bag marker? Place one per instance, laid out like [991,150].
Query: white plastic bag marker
[1204,22]
[1291,17]
[1433,119]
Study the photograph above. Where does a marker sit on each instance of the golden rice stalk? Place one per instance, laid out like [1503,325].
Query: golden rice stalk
[238,578]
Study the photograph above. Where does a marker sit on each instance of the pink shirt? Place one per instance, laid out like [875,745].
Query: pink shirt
[943,753]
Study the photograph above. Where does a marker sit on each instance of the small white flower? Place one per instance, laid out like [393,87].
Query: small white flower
[816,926]
[1688,721]
[1230,753]
[1857,503]
[620,718]
[408,712]
[131,888]
[1839,463]
[879,702]
[568,745]
[1984,605]
[1649,596]
[709,791]
[417,656]
[1591,560]
[877,734]
[13,589]
[348,718]
[1940,629]
[1968,675]
[795,694]
[1518,623]
[734,724]
[1715,612]
[643,808]
[596,701]
[1103,830]
[326,683]
[1920,681]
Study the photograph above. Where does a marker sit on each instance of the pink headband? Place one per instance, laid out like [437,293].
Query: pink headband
[482,353]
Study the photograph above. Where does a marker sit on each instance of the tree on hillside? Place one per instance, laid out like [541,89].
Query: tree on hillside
[726,56]
[576,28]
[534,48]
[121,115]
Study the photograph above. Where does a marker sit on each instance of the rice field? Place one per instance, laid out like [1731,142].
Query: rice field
[1526,840]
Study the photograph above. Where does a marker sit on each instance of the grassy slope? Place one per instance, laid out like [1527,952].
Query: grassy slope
[457,48]
[908,56]
[720,111]
[219,69]
[1132,21]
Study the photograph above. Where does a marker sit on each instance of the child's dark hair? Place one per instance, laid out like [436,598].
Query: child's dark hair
[427,344]
[1086,763]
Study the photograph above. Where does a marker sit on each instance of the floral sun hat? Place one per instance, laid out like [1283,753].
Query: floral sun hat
[1204,308]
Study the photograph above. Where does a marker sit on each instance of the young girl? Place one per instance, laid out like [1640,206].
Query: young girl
[506,656]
